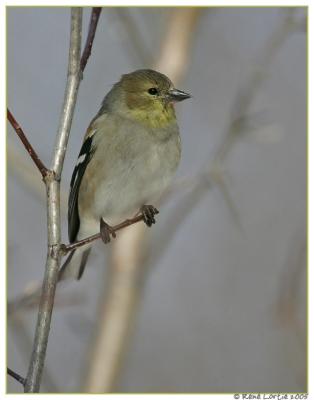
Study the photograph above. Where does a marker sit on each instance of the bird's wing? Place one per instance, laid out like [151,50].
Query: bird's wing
[84,158]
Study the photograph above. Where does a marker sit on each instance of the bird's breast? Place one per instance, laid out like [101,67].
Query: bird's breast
[134,169]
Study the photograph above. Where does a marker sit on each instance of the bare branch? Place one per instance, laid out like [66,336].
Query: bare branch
[95,14]
[52,181]
[16,376]
[128,222]
[31,295]
[16,126]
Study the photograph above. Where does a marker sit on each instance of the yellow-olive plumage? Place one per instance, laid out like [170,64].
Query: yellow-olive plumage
[130,153]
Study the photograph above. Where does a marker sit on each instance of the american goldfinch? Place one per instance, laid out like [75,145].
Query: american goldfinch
[129,155]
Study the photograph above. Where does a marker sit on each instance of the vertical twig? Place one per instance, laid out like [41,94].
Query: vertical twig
[93,22]
[52,180]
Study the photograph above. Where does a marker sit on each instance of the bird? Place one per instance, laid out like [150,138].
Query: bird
[130,153]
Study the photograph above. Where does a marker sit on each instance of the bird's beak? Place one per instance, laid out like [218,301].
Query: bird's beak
[177,95]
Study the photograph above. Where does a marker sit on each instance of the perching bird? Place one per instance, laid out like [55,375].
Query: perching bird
[129,155]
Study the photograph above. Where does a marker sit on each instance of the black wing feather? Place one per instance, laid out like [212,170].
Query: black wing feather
[78,173]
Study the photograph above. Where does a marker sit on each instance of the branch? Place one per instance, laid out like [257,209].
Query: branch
[93,22]
[16,376]
[128,222]
[52,181]
[16,126]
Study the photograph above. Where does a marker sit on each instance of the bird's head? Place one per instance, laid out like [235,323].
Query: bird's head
[147,96]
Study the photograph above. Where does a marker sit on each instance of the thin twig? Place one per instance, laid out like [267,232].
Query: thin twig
[16,376]
[128,222]
[52,181]
[16,126]
[93,22]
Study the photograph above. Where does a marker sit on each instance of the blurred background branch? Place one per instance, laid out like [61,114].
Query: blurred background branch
[130,256]
[214,174]
[135,45]
[27,176]
[290,284]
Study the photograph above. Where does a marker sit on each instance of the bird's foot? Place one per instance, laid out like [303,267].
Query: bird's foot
[149,213]
[105,231]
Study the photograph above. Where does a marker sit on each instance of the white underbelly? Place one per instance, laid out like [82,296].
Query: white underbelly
[131,183]
[122,197]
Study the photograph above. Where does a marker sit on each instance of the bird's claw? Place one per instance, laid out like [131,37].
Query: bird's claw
[105,231]
[149,213]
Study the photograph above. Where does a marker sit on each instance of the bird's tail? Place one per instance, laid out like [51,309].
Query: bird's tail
[74,265]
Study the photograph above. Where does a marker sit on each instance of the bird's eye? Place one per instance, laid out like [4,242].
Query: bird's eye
[153,91]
